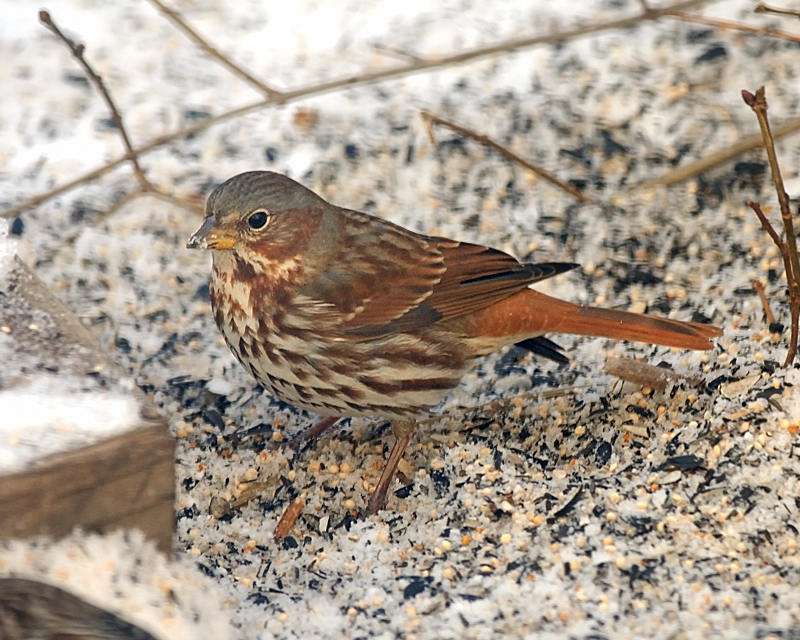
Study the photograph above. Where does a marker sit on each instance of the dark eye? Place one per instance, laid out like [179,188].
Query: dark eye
[257,219]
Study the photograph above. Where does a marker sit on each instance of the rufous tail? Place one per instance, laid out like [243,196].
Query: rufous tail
[531,313]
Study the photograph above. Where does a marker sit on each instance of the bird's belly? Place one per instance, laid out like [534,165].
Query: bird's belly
[394,377]
[306,361]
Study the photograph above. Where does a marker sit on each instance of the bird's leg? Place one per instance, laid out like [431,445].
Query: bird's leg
[312,433]
[403,431]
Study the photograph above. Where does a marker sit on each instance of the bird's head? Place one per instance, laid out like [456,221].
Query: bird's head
[259,216]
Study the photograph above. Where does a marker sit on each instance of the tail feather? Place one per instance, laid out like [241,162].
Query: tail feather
[530,313]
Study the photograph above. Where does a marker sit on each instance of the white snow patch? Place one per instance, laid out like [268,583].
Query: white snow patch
[52,414]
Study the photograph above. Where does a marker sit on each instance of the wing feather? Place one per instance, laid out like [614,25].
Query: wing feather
[384,278]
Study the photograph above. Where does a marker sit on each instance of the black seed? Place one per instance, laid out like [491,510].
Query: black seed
[195,114]
[290,543]
[213,416]
[684,463]
[603,454]
[404,492]
[714,52]
[202,293]
[207,570]
[698,35]
[76,78]
[416,587]
[105,123]
[716,382]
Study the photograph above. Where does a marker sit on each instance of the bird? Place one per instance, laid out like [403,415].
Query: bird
[344,314]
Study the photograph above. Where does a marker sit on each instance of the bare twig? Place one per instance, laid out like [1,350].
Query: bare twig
[173,16]
[746,143]
[357,80]
[77,52]
[787,267]
[431,120]
[736,26]
[759,289]
[156,193]
[758,103]
[763,8]
[397,53]
[771,231]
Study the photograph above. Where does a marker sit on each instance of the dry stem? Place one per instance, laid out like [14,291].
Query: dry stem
[77,52]
[788,249]
[763,8]
[272,94]
[431,120]
[759,289]
[746,143]
[145,186]
[737,26]
[427,64]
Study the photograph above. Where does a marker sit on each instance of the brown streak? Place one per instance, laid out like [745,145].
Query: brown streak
[408,385]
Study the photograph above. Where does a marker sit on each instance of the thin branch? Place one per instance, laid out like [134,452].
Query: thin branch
[736,26]
[758,103]
[431,120]
[399,54]
[763,8]
[358,80]
[759,289]
[173,16]
[155,193]
[746,143]
[770,230]
[787,267]
[77,52]
[760,107]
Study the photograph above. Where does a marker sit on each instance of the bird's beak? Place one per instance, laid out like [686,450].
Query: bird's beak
[209,237]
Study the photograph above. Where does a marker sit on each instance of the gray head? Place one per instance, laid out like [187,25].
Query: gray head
[272,191]
[247,206]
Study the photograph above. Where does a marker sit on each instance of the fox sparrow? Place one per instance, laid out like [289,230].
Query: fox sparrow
[344,314]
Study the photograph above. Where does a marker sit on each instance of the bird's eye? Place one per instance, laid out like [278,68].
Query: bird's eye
[257,219]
